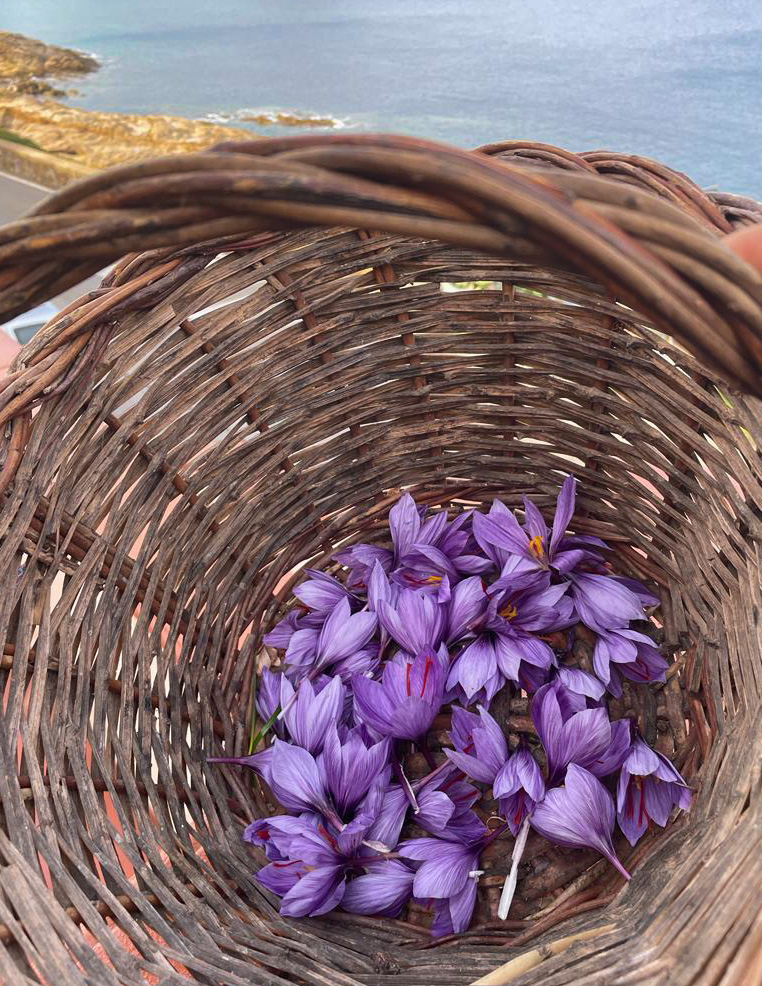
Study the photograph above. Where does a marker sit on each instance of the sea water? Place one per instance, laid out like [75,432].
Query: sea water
[679,80]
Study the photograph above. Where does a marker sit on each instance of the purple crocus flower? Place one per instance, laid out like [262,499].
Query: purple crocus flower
[384,889]
[415,621]
[321,592]
[466,610]
[581,690]
[441,550]
[342,636]
[580,814]
[648,787]
[586,737]
[448,876]
[349,766]
[500,536]
[310,862]
[518,786]
[629,653]
[296,619]
[406,700]
[307,869]
[507,642]
[310,711]
[603,602]
[404,525]
[480,747]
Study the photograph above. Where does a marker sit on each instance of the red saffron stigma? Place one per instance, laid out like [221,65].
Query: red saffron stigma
[429,666]
[331,841]
[519,809]
[408,669]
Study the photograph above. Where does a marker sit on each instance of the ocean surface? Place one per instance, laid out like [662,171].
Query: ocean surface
[679,80]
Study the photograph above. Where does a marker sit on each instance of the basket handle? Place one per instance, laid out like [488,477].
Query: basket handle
[648,253]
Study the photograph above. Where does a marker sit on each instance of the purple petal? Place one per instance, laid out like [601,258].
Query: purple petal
[613,757]
[471,766]
[379,589]
[463,725]
[501,529]
[658,800]
[585,738]
[566,561]
[581,683]
[388,825]
[404,523]
[309,716]
[579,814]
[295,779]
[445,870]
[373,704]
[462,905]
[281,875]
[641,759]
[318,892]
[632,817]
[604,603]
[546,716]
[564,511]
[412,718]
[467,606]
[474,666]
[321,592]
[435,810]
[302,647]
[535,523]
[385,890]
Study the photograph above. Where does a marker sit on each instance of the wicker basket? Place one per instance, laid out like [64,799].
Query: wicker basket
[259,382]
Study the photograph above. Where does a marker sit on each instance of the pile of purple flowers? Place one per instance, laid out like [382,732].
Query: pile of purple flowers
[456,610]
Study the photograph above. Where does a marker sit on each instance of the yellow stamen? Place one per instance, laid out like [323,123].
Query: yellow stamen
[537,547]
[434,578]
[509,612]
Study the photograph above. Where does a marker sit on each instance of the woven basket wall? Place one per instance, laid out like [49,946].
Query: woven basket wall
[261,381]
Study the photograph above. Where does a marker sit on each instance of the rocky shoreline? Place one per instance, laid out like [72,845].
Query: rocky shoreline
[31,73]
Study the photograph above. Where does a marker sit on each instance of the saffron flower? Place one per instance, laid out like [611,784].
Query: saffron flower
[628,653]
[415,621]
[343,635]
[579,814]
[310,711]
[403,704]
[448,876]
[480,746]
[585,738]
[500,535]
[649,786]
[350,767]
[507,644]
[518,787]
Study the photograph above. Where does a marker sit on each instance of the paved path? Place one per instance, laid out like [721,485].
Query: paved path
[17,196]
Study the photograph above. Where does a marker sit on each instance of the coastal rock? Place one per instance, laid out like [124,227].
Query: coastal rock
[101,140]
[95,140]
[25,58]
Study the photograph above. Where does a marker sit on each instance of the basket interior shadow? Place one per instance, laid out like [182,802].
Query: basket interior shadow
[179,445]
